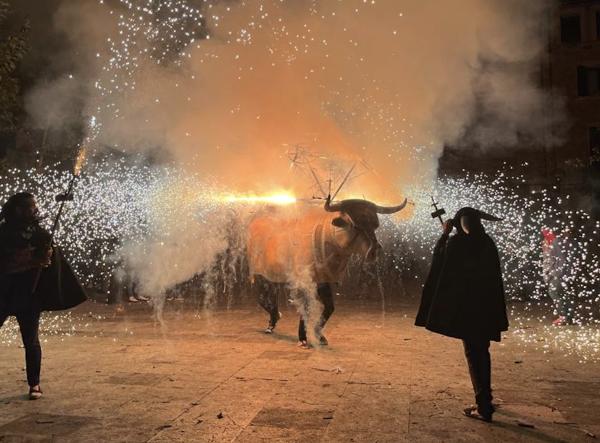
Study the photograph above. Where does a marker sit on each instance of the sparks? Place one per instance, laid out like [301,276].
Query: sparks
[79,162]
[120,201]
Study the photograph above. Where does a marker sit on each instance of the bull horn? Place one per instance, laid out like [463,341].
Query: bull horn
[488,217]
[390,209]
[332,208]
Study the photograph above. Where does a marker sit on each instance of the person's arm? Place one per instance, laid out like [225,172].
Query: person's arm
[18,259]
[3,263]
[439,251]
[497,267]
[42,242]
[440,246]
[8,255]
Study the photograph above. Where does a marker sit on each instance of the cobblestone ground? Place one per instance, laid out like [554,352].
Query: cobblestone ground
[111,375]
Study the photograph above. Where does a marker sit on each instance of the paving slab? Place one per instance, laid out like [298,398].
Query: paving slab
[117,375]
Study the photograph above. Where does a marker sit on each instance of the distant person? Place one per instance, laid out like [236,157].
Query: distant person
[267,294]
[463,298]
[123,287]
[325,297]
[553,263]
[33,278]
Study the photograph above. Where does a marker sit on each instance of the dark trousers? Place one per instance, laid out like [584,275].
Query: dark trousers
[325,296]
[268,295]
[480,369]
[29,324]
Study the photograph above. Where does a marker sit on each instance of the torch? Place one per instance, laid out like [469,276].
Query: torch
[62,198]
[68,195]
[438,211]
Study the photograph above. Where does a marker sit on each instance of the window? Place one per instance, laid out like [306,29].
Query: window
[595,147]
[570,29]
[7,142]
[588,81]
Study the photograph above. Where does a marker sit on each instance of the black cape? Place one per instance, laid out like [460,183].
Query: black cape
[463,296]
[58,288]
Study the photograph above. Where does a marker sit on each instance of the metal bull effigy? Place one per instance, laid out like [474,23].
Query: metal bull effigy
[306,246]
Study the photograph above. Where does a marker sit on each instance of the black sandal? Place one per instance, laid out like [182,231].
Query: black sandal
[476,413]
[35,393]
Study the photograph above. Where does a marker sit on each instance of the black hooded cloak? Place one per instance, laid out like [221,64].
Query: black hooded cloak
[57,286]
[463,296]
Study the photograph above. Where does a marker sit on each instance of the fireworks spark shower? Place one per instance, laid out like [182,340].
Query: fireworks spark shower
[232,212]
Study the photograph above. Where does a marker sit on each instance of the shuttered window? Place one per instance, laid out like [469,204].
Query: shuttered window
[570,29]
[588,81]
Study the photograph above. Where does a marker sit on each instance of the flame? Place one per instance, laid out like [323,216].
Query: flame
[79,161]
[279,198]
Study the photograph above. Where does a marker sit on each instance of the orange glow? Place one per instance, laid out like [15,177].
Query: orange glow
[280,198]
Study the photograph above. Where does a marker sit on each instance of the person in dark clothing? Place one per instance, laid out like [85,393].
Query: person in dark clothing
[325,297]
[267,294]
[268,297]
[33,278]
[463,298]
[24,247]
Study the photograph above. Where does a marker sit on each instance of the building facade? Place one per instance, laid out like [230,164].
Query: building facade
[572,74]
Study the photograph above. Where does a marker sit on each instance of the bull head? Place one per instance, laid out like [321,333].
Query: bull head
[362,216]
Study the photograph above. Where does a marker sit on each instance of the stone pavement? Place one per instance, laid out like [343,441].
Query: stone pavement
[216,377]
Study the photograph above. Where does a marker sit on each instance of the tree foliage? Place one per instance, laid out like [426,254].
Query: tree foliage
[13,48]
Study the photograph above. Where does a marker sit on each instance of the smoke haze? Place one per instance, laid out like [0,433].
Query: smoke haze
[234,95]
[387,82]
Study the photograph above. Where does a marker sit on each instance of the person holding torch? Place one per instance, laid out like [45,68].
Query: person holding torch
[463,298]
[33,278]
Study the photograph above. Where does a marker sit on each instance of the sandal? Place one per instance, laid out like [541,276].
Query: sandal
[35,393]
[474,412]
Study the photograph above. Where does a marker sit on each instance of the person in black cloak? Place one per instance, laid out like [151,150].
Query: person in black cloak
[34,277]
[463,298]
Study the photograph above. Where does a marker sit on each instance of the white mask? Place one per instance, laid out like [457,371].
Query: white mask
[464,223]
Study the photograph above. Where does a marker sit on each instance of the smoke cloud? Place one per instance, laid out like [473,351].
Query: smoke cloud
[351,80]
[384,84]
